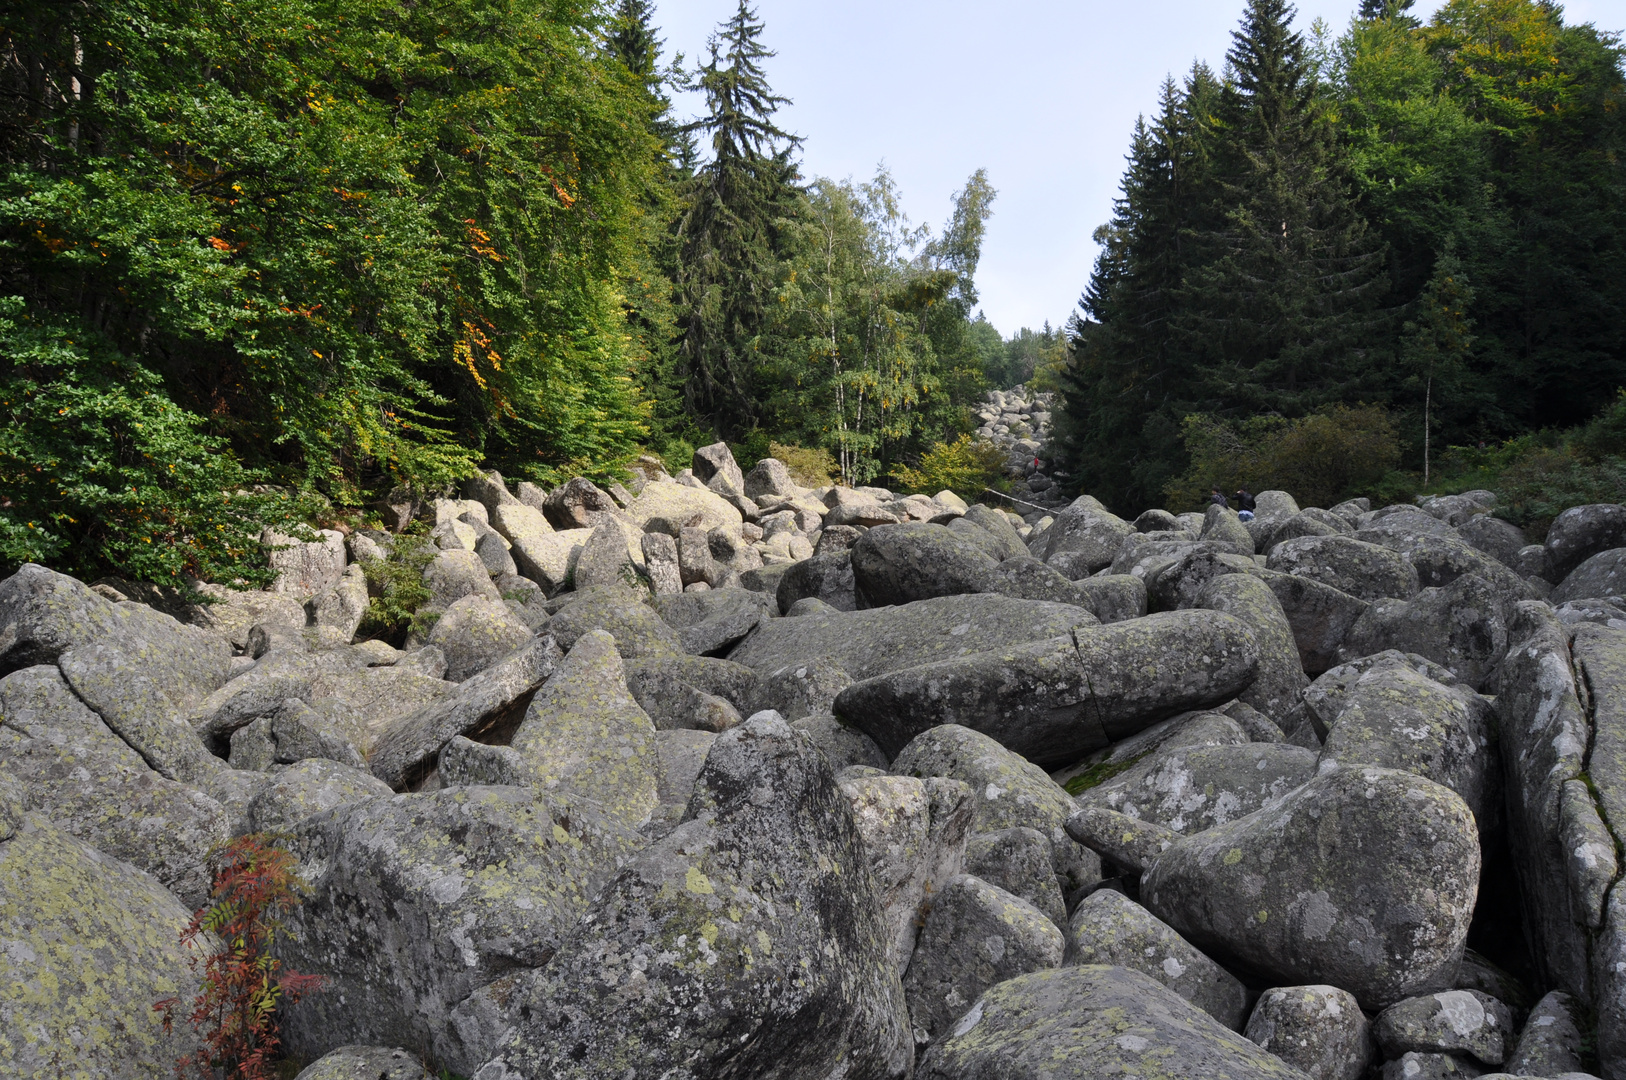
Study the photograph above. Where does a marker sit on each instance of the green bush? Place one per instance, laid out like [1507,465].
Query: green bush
[965,466]
[398,594]
[100,472]
[1321,459]
[809,467]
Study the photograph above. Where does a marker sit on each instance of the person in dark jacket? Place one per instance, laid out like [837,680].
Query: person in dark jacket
[1244,504]
[1217,499]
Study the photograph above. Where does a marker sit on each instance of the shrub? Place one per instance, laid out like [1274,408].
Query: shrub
[397,592]
[235,1011]
[1321,459]
[965,466]
[808,467]
[101,473]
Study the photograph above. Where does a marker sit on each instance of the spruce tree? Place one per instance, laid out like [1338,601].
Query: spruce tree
[732,232]
[1280,311]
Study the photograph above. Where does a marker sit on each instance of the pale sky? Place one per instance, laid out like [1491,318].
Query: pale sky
[1041,93]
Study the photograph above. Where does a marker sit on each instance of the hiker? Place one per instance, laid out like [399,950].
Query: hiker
[1244,504]
[1217,499]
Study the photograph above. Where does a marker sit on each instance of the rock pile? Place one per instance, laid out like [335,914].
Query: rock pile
[716,775]
[1017,421]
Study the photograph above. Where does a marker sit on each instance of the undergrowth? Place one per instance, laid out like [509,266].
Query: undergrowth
[396,591]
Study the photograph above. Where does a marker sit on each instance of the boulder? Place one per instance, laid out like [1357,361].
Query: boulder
[578,504]
[1319,1029]
[661,564]
[1461,627]
[674,505]
[475,633]
[656,683]
[1551,1042]
[1109,928]
[976,936]
[827,577]
[715,467]
[1364,878]
[337,610]
[406,751]
[1320,617]
[713,622]
[622,613]
[724,948]
[769,476]
[613,554]
[91,944]
[1055,700]
[1363,570]
[1280,682]
[1080,1023]
[583,741]
[1089,532]
[1113,597]
[1453,1021]
[417,900]
[543,555]
[1221,524]
[1140,753]
[841,745]
[1018,860]
[1191,787]
[1010,793]
[1179,583]
[1302,524]
[304,568]
[695,565]
[1602,575]
[681,755]
[1582,532]
[996,524]
[895,564]
[366,1063]
[452,575]
[89,782]
[1501,540]
[915,839]
[295,732]
[310,787]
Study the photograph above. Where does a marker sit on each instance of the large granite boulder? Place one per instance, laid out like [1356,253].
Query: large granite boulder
[365,1063]
[1460,626]
[895,564]
[1602,575]
[1582,532]
[711,623]
[476,632]
[1080,1023]
[747,942]
[1055,700]
[1319,1029]
[620,611]
[1088,532]
[678,505]
[1189,788]
[826,577]
[1367,571]
[1280,681]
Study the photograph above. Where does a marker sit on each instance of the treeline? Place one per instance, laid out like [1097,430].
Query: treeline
[1425,220]
[334,247]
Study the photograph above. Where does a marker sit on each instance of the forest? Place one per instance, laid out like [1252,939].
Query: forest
[261,259]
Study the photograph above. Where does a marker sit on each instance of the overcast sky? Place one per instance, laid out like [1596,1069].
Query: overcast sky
[1041,93]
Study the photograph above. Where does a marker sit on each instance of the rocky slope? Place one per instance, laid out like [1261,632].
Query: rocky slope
[719,776]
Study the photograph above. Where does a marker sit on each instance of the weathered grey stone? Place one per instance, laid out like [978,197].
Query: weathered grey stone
[1259,727]
[1089,530]
[1302,524]
[1397,718]
[374,698]
[1054,701]
[304,568]
[1135,755]
[543,555]
[1501,540]
[234,613]
[895,564]
[577,504]
[452,509]
[724,948]
[584,739]
[1352,509]
[1010,793]
[841,745]
[1280,682]
[417,900]
[732,554]
[1363,570]
[1320,616]
[1081,1023]
[679,506]
[807,689]
[91,944]
[715,467]
[825,577]
[612,555]
[405,752]
[914,837]
[1221,523]
[1544,734]
[713,622]
[976,936]
[89,782]
[658,683]
[1018,860]
[695,565]
[1157,521]
[661,564]
[488,489]
[1109,928]
[1415,1065]
[1452,1021]
[1113,597]
[1551,1041]
[337,610]
[1440,560]
[621,612]
[769,476]
[1461,627]
[366,1063]
[452,575]
[1396,526]
[681,755]
[1364,878]
[294,733]
[1326,697]
[475,633]
[1604,574]
[312,786]
[1190,788]
[1610,612]
[1580,533]
[1178,585]
[1319,1029]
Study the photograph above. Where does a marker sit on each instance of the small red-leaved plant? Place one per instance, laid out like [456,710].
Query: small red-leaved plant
[235,1010]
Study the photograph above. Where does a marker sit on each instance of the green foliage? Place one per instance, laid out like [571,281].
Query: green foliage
[812,468]
[1099,773]
[1333,454]
[397,592]
[965,466]
[100,472]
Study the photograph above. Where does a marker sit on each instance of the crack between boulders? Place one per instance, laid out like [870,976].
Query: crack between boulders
[1583,683]
[1091,699]
[134,749]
